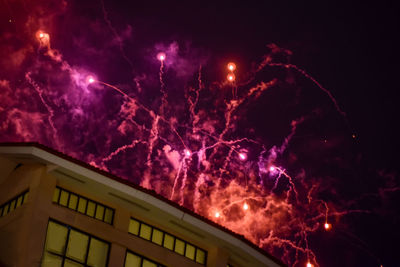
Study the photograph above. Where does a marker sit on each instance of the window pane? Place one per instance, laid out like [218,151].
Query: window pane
[179,246]
[77,246]
[56,195]
[147,263]
[19,201]
[91,208]
[99,212]
[12,205]
[82,205]
[134,227]
[132,260]
[108,216]
[190,251]
[157,237]
[50,260]
[98,253]
[73,201]
[69,263]
[145,231]
[56,238]
[200,256]
[169,241]
[26,197]
[6,209]
[64,198]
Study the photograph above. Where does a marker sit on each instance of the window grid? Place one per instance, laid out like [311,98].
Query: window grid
[200,255]
[63,254]
[59,196]
[14,203]
[142,260]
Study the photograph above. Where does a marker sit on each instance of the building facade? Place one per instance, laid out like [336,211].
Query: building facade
[57,211]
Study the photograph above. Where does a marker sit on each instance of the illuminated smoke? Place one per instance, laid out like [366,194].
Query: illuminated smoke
[172,130]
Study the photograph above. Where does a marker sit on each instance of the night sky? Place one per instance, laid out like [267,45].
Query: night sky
[342,157]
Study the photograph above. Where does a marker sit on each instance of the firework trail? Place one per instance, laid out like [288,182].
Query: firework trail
[191,147]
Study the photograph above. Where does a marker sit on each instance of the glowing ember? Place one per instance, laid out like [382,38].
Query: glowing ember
[242,156]
[327,226]
[231,66]
[161,56]
[272,168]
[231,77]
[217,215]
[90,79]
[309,264]
[187,153]
[245,206]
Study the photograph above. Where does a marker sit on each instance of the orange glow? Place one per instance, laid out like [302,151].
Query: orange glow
[231,66]
[309,264]
[43,37]
[327,226]
[231,77]
[217,214]
[161,56]
[245,206]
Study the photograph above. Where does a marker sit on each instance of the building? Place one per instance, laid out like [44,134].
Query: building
[58,211]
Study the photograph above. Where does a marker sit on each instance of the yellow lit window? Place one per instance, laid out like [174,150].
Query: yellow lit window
[77,246]
[145,231]
[25,197]
[20,200]
[6,209]
[157,237]
[73,201]
[51,260]
[56,195]
[147,263]
[169,241]
[134,227]
[108,216]
[179,246]
[82,205]
[200,256]
[99,212]
[91,208]
[98,253]
[56,238]
[69,263]
[133,260]
[64,198]
[190,251]
[12,205]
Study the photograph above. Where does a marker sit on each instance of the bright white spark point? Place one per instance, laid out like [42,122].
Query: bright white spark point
[272,168]
[188,153]
[41,35]
[309,264]
[161,56]
[231,66]
[327,226]
[245,206]
[217,215]
[242,156]
[90,79]
[231,77]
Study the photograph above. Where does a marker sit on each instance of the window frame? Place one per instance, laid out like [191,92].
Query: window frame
[6,208]
[64,256]
[173,244]
[141,259]
[88,200]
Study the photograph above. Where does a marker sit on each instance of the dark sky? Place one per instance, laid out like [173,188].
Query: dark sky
[350,49]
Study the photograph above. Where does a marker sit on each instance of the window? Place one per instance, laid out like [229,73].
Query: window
[14,203]
[136,260]
[69,247]
[166,240]
[83,205]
